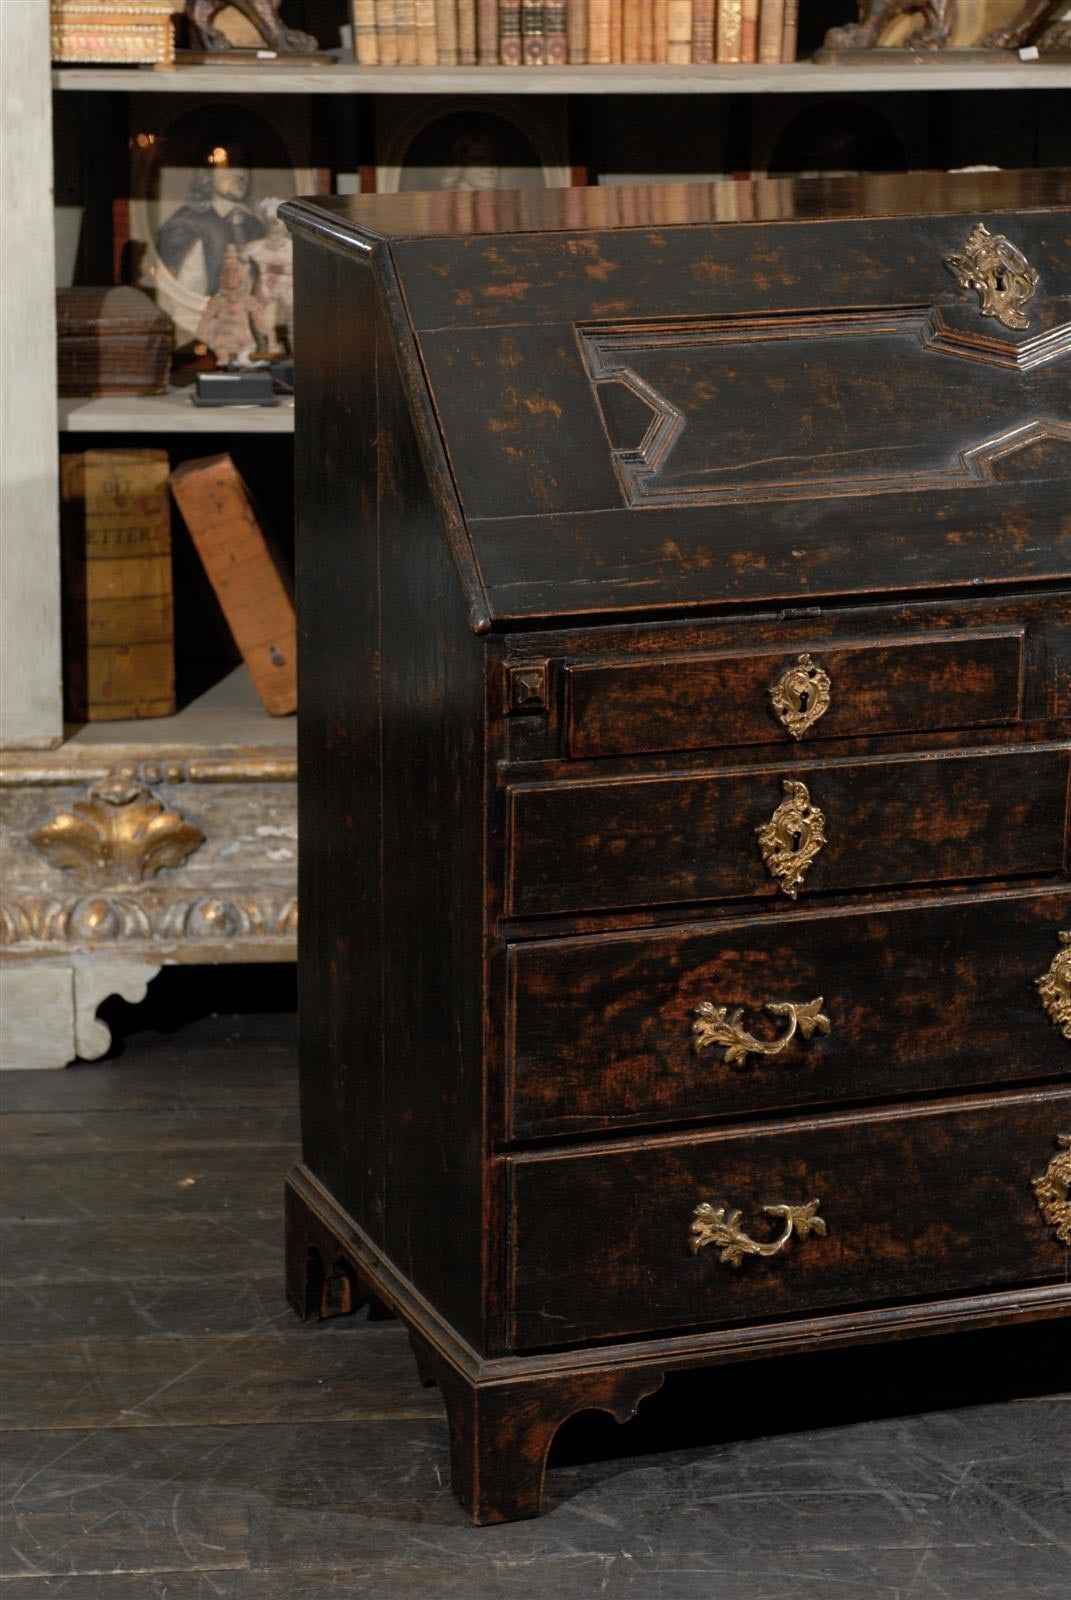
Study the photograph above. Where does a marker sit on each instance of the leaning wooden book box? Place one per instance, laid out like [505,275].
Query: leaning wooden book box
[685,726]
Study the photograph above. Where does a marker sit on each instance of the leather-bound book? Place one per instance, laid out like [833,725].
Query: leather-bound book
[791,30]
[631,30]
[576,31]
[387,32]
[599,12]
[703,12]
[659,31]
[365,42]
[405,11]
[617,30]
[771,29]
[118,628]
[467,47]
[555,43]
[446,32]
[533,38]
[426,35]
[216,509]
[486,32]
[730,30]
[679,22]
[749,31]
[509,32]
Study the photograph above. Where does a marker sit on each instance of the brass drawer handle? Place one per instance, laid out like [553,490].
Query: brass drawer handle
[793,837]
[714,1225]
[718,1025]
[1055,987]
[1054,1190]
[800,696]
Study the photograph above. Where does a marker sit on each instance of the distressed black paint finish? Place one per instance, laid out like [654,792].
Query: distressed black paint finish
[554,561]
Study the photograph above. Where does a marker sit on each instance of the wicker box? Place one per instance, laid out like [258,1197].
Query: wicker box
[131,33]
[111,341]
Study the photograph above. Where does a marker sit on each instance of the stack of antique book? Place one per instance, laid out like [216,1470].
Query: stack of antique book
[535,33]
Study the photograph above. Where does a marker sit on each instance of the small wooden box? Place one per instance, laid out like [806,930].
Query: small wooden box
[135,33]
[111,341]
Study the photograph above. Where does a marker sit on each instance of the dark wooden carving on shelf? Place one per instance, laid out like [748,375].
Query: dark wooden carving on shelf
[263,14]
[685,741]
[938,19]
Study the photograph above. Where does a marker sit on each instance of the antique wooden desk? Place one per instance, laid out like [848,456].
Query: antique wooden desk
[684,747]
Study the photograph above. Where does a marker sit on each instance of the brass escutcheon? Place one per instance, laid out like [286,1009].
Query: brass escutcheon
[1053,1191]
[1054,987]
[719,1226]
[718,1025]
[800,696]
[793,837]
[999,273]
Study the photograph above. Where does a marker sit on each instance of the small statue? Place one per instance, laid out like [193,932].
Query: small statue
[938,20]
[263,14]
[273,258]
[229,322]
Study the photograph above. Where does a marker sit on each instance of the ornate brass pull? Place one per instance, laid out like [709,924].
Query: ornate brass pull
[1054,1190]
[718,1025]
[718,1226]
[1054,987]
[800,696]
[999,273]
[792,838]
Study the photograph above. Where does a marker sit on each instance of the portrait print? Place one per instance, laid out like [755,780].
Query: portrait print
[469,145]
[206,178]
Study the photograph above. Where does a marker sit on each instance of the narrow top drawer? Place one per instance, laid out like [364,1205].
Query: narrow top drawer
[931,681]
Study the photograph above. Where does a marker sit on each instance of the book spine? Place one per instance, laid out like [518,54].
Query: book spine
[405,26]
[679,31]
[486,33]
[703,31]
[576,31]
[749,31]
[646,30]
[659,31]
[509,32]
[730,20]
[426,41]
[467,43]
[789,36]
[387,32]
[631,31]
[118,624]
[556,44]
[216,509]
[533,39]
[365,40]
[599,32]
[771,28]
[617,25]
[446,33]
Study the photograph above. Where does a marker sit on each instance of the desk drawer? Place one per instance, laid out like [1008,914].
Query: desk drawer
[619,1032]
[931,682]
[936,1200]
[620,842]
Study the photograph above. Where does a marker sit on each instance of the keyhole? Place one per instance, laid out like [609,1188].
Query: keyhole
[805,695]
[1000,282]
[797,840]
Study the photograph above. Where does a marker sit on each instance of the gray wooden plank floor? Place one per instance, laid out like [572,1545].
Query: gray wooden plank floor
[171,1432]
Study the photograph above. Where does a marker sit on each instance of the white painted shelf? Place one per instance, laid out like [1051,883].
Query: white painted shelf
[173,412]
[228,716]
[1006,71]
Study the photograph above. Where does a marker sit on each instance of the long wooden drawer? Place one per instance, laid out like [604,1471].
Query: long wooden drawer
[854,687]
[607,1032]
[886,1206]
[605,843]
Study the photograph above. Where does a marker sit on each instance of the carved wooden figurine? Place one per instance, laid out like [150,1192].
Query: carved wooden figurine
[263,14]
[938,20]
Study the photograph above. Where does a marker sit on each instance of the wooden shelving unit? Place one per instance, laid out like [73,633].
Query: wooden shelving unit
[1006,71]
[173,412]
